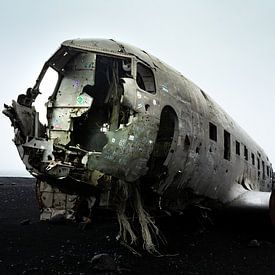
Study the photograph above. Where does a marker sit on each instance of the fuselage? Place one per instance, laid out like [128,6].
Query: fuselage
[119,112]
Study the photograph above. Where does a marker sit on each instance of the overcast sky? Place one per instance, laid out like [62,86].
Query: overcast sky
[226,47]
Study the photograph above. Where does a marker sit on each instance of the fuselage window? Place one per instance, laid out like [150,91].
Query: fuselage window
[226,145]
[212,131]
[253,158]
[263,165]
[245,153]
[145,78]
[238,148]
[259,167]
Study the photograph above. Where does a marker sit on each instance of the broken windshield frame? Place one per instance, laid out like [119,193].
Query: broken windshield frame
[47,87]
[83,77]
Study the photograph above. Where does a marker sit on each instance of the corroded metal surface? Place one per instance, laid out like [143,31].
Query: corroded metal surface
[118,114]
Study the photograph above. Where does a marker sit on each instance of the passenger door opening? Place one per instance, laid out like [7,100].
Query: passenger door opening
[163,146]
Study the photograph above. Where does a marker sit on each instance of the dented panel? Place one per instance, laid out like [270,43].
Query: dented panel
[124,127]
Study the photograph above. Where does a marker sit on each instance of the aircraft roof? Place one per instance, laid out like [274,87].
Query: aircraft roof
[118,48]
[110,46]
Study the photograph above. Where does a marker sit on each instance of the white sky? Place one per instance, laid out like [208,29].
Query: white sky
[226,47]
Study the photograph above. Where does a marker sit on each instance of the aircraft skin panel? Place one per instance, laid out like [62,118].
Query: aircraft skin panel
[119,115]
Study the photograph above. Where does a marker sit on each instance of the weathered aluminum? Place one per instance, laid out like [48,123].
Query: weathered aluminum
[188,162]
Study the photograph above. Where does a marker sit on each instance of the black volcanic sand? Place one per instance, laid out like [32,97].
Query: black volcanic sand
[238,243]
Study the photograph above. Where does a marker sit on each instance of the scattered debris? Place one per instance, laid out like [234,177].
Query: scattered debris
[267,244]
[57,219]
[33,270]
[85,221]
[130,248]
[254,243]
[25,222]
[103,262]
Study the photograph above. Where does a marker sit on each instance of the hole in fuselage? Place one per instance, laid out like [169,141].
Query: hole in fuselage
[164,141]
[89,130]
[186,142]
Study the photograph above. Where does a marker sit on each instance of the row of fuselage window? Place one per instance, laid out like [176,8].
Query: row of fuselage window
[213,135]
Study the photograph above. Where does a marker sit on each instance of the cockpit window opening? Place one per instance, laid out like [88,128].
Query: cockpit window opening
[47,87]
[213,131]
[59,61]
[145,78]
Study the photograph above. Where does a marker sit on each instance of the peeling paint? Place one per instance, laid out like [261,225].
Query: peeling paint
[110,132]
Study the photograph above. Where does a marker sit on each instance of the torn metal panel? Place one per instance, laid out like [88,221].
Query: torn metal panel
[70,101]
[127,151]
[53,202]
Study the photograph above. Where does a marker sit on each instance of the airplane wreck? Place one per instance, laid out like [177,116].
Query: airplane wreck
[109,125]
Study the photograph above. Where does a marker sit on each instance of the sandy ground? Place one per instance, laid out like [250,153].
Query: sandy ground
[238,243]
